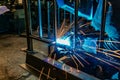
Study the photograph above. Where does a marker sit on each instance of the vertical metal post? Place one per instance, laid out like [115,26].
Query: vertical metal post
[103,22]
[64,15]
[71,19]
[40,19]
[76,20]
[28,24]
[58,16]
[30,17]
[48,12]
[55,20]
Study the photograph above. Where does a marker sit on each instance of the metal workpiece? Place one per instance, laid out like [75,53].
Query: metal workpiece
[56,68]
[76,39]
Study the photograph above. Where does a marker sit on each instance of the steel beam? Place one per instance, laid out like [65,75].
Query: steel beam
[28,24]
[103,22]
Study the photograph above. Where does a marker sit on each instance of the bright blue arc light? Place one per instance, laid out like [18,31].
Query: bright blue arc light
[63,41]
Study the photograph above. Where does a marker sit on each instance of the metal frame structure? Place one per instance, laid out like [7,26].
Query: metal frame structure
[37,63]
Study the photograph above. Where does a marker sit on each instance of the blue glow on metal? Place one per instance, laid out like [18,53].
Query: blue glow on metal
[70,9]
[111,30]
[115,76]
[63,41]
[90,45]
[40,19]
[96,22]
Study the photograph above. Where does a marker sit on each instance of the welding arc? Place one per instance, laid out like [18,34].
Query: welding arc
[78,60]
[102,61]
[74,61]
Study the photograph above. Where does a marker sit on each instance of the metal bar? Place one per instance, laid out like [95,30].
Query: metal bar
[55,21]
[39,39]
[64,15]
[76,19]
[103,22]
[30,17]
[28,24]
[71,19]
[40,19]
[59,19]
[48,12]
[57,67]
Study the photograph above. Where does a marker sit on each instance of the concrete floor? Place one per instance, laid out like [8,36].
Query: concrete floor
[11,57]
